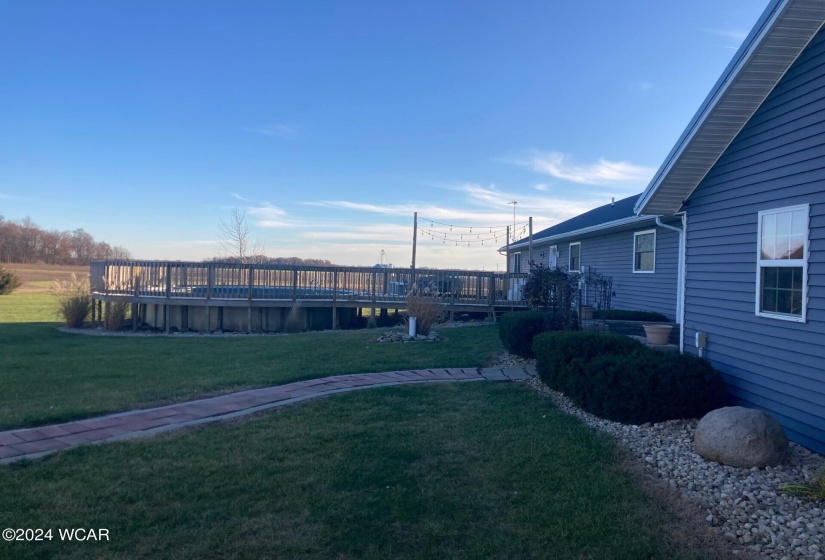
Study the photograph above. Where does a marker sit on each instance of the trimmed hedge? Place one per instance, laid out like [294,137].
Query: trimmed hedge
[627,315]
[555,353]
[517,329]
[618,378]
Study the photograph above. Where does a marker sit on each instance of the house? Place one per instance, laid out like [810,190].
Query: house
[747,181]
[639,254]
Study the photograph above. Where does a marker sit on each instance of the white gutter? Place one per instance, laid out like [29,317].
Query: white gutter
[680,281]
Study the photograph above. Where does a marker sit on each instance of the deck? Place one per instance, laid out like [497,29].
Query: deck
[187,288]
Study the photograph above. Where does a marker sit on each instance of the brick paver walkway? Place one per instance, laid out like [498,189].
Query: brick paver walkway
[31,443]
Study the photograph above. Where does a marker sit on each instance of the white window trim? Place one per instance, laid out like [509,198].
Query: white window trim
[645,232]
[570,257]
[760,263]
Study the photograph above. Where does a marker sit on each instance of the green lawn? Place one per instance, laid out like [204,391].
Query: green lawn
[467,470]
[47,376]
[28,307]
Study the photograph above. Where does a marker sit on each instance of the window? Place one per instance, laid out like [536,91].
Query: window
[575,257]
[782,263]
[516,262]
[644,251]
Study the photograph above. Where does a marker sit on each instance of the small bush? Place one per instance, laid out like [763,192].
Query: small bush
[8,282]
[426,310]
[556,353]
[517,330]
[813,490]
[114,315]
[646,386]
[73,301]
[626,315]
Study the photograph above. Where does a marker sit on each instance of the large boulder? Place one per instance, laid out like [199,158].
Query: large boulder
[740,437]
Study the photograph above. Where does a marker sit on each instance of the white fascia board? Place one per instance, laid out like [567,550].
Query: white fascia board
[584,231]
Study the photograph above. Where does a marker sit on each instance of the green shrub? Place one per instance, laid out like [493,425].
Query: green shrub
[627,315]
[646,386]
[550,289]
[556,353]
[114,315]
[8,282]
[517,330]
[73,301]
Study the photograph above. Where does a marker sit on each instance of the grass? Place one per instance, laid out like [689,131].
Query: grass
[47,376]
[468,470]
[23,306]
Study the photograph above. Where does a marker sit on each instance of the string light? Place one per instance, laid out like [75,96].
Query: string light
[455,233]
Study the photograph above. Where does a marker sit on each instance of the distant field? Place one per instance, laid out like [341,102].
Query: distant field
[40,277]
[32,302]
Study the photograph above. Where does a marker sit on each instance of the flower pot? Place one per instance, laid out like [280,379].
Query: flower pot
[585,313]
[657,335]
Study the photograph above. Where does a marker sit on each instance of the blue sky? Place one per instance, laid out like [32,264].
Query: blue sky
[330,123]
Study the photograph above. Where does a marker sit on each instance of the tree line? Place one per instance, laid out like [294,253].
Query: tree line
[24,241]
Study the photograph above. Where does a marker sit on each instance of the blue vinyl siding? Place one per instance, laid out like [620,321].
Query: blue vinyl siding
[612,255]
[777,160]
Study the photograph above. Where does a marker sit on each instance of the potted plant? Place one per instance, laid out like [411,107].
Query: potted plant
[657,335]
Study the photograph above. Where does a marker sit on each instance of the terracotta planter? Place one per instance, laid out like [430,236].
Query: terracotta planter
[585,313]
[658,335]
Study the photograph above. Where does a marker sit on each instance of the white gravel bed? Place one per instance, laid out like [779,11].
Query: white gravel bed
[744,505]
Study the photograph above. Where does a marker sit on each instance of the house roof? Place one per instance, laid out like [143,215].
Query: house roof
[617,214]
[778,38]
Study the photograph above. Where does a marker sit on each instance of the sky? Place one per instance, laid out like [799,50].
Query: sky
[330,123]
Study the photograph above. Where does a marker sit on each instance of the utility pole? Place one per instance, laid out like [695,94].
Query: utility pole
[530,250]
[514,203]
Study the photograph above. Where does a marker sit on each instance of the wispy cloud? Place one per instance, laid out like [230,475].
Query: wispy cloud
[371,233]
[603,172]
[279,131]
[543,187]
[482,206]
[238,197]
[734,37]
[268,216]
[737,35]
[9,196]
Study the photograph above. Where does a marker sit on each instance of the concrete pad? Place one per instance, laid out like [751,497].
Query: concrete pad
[515,373]
[494,374]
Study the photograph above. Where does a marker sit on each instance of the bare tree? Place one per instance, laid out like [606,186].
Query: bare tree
[236,239]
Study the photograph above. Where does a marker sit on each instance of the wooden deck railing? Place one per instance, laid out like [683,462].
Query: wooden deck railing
[263,282]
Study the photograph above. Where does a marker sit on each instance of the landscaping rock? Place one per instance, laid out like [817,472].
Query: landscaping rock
[403,337]
[740,437]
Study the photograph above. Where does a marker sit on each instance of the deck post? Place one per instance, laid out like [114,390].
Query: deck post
[250,287]
[294,284]
[334,300]
[507,266]
[136,278]
[168,297]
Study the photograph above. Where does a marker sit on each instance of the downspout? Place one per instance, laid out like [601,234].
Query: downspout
[680,281]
